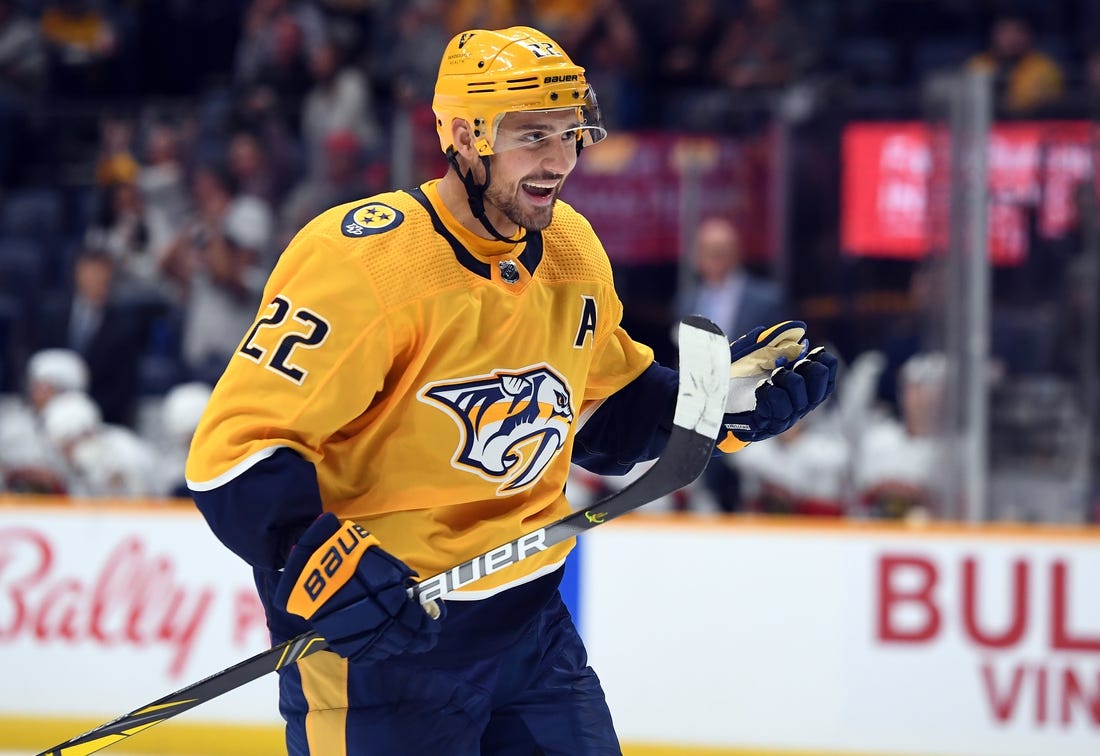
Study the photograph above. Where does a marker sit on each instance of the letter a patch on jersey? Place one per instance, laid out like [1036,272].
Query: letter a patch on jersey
[512,422]
[587,322]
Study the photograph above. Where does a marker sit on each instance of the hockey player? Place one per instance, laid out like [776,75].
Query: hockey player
[104,460]
[29,463]
[424,366]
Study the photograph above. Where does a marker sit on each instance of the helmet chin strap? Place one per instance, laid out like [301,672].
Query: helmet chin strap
[475,195]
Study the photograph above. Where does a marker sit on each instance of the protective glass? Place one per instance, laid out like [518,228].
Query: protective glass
[581,124]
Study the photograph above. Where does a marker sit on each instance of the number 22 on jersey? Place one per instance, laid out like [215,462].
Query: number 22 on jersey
[312,334]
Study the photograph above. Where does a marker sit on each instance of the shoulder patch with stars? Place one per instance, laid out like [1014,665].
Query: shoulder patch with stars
[372,218]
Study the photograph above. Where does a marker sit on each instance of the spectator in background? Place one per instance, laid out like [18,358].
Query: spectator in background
[116,161]
[261,46]
[82,41]
[211,192]
[726,293]
[899,459]
[179,416]
[253,173]
[224,287]
[1024,78]
[217,265]
[134,237]
[22,79]
[723,289]
[765,47]
[29,463]
[161,176]
[800,473]
[344,177]
[272,67]
[109,335]
[261,146]
[102,459]
[338,102]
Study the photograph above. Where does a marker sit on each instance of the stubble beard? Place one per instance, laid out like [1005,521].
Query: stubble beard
[533,219]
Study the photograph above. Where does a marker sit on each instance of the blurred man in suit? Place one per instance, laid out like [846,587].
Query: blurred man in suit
[109,335]
[726,293]
[723,290]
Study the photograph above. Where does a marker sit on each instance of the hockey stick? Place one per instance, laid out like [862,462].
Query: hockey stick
[700,403]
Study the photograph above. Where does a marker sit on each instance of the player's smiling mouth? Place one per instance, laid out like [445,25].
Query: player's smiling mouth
[539,192]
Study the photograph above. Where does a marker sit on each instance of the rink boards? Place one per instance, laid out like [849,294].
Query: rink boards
[711,635]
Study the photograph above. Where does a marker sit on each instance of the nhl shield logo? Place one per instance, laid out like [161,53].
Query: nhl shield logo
[509,273]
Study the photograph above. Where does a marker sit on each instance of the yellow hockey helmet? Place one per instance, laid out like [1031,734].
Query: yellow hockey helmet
[487,74]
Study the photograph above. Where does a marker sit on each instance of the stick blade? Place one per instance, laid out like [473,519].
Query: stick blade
[704,376]
[700,405]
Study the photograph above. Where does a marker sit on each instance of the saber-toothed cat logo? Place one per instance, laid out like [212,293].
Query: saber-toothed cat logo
[512,422]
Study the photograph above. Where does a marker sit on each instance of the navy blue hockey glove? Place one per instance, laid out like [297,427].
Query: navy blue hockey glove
[354,594]
[775,380]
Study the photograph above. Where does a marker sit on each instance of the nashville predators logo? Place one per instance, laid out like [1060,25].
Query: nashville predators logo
[372,218]
[512,423]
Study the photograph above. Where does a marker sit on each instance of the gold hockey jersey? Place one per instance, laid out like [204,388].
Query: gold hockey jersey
[435,379]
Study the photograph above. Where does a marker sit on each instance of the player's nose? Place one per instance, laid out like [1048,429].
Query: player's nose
[560,157]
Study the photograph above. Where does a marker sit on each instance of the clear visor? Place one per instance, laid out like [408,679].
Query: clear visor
[534,129]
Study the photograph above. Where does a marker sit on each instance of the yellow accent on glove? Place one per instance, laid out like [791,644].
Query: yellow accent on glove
[783,340]
[731,443]
[756,355]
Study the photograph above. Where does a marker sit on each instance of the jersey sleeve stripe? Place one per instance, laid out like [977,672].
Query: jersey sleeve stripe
[232,473]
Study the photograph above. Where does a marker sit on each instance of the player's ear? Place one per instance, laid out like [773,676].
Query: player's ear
[462,137]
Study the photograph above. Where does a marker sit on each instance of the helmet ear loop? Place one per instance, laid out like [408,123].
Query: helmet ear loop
[475,194]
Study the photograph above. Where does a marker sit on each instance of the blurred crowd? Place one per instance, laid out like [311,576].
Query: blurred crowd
[54,439]
[156,156]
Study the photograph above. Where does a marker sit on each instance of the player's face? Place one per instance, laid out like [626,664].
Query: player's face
[533,153]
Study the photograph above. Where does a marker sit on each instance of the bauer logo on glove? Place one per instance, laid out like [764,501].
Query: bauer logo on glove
[355,594]
[775,379]
[329,568]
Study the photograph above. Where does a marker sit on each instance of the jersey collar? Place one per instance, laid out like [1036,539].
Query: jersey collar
[487,258]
